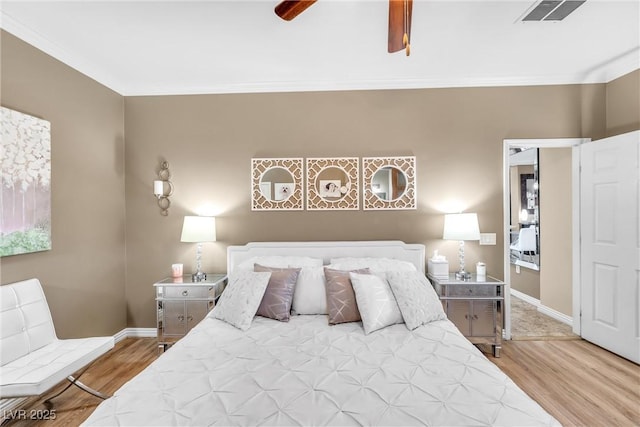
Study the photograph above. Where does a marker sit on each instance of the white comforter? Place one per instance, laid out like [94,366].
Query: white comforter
[305,372]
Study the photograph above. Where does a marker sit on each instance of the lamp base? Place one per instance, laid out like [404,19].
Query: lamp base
[463,275]
[198,276]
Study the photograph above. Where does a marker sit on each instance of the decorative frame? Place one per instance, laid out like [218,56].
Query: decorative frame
[350,199]
[259,166]
[25,193]
[406,164]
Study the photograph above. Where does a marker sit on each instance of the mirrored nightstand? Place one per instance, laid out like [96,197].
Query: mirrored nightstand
[182,303]
[474,306]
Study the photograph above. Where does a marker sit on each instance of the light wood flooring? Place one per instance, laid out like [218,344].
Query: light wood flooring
[577,382]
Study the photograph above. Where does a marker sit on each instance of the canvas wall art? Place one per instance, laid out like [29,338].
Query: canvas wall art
[25,196]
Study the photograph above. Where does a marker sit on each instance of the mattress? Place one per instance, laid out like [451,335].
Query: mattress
[305,372]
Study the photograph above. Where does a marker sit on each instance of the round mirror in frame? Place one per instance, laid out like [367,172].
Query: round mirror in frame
[389,183]
[276,184]
[333,183]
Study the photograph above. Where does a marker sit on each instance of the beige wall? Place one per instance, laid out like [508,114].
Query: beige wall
[556,229]
[456,135]
[209,140]
[84,274]
[526,281]
[623,104]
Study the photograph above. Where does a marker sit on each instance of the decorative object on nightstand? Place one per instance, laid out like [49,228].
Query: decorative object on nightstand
[474,305]
[438,266]
[481,271]
[163,188]
[181,303]
[461,227]
[198,229]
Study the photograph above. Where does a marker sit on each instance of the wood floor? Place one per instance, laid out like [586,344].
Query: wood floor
[577,382]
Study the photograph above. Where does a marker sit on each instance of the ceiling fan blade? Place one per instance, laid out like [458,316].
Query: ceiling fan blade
[399,24]
[289,9]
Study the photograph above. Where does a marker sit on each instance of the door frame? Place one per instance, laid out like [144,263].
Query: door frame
[574,143]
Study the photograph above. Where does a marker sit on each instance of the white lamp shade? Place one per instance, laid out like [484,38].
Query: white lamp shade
[198,229]
[462,226]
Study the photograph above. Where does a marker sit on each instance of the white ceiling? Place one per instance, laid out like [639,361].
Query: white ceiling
[160,47]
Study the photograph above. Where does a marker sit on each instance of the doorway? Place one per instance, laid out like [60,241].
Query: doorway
[510,146]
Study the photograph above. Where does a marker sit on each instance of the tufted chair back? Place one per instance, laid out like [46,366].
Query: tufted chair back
[25,320]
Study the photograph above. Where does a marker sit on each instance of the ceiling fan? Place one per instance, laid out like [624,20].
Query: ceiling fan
[399,20]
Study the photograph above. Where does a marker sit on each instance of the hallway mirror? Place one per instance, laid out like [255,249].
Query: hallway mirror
[524,195]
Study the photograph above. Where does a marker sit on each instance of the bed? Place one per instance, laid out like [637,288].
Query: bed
[305,371]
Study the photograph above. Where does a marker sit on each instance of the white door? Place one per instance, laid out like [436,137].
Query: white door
[610,242]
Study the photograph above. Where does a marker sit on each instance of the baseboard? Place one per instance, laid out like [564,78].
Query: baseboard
[136,333]
[526,298]
[560,317]
[554,314]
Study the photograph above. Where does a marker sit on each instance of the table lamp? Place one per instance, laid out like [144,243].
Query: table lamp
[461,227]
[198,229]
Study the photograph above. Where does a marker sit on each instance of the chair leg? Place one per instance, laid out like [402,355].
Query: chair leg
[74,381]
[86,388]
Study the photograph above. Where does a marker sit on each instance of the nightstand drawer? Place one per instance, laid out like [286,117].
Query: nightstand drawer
[471,290]
[172,291]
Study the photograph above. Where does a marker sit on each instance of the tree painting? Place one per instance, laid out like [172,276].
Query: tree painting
[25,193]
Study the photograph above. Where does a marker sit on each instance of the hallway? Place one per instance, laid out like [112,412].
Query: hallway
[527,323]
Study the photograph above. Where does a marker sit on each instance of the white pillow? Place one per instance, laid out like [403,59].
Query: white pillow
[374,264]
[416,298]
[240,300]
[376,303]
[279,262]
[310,295]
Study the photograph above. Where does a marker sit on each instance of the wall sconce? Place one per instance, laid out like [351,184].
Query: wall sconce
[163,188]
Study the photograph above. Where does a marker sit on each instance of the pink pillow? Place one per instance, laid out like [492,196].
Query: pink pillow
[341,300]
[276,302]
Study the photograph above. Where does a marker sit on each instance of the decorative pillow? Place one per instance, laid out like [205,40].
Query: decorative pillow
[310,296]
[373,264]
[418,301]
[280,262]
[376,303]
[276,302]
[341,301]
[240,300]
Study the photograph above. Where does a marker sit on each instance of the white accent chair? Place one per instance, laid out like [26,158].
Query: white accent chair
[32,358]
[526,242]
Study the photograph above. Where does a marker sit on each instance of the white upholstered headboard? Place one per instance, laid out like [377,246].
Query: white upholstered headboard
[412,252]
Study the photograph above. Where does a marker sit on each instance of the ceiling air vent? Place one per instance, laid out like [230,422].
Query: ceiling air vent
[552,10]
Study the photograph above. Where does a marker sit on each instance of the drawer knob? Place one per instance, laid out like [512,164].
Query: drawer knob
[185,293]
